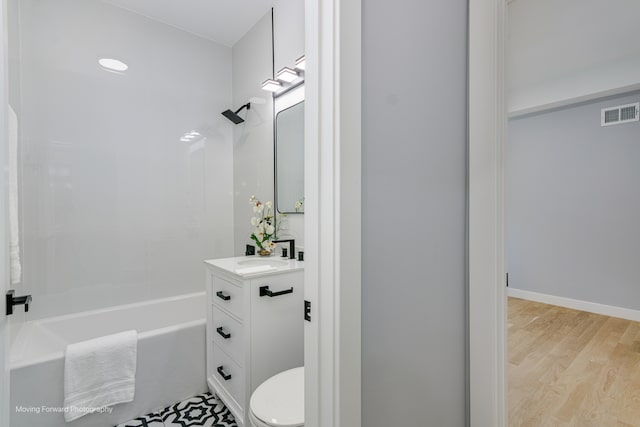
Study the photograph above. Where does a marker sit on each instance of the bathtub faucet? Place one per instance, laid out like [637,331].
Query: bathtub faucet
[12,300]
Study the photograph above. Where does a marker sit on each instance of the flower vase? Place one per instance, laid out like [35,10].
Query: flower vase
[264,252]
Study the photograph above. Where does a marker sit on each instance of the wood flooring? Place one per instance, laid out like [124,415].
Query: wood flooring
[571,368]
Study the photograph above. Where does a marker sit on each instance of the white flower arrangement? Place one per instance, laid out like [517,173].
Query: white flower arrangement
[264,223]
[298,205]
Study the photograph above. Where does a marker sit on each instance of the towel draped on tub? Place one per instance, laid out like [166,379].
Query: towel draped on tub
[98,373]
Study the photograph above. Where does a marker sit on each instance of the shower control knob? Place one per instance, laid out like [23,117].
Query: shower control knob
[13,300]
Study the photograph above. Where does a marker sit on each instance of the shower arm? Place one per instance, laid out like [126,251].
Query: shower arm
[247,106]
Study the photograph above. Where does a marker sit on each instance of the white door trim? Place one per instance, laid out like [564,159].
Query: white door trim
[332,168]
[333,212]
[487,296]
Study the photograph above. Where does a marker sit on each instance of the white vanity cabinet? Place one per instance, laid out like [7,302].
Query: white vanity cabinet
[254,326]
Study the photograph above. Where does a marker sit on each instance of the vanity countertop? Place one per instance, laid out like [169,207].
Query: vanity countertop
[247,267]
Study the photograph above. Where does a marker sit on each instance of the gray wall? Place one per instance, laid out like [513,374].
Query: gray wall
[573,205]
[413,225]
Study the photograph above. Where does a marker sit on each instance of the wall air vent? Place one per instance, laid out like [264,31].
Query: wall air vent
[620,114]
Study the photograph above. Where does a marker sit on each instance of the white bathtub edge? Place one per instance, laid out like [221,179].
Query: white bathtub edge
[149,334]
[118,307]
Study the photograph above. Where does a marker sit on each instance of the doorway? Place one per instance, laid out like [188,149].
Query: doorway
[489,108]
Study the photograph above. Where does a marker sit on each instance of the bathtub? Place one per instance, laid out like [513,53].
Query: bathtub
[170,365]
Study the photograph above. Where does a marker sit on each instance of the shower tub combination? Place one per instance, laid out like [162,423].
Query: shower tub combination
[170,363]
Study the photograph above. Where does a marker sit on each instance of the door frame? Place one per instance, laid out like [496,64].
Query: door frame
[333,212]
[333,180]
[487,287]
[332,194]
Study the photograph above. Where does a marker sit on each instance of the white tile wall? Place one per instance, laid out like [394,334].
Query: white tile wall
[115,208]
[253,139]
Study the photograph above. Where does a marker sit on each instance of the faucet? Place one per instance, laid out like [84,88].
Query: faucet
[292,247]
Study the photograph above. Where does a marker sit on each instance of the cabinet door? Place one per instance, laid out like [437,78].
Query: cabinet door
[277,335]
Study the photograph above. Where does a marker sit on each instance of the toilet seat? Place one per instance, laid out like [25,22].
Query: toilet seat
[279,401]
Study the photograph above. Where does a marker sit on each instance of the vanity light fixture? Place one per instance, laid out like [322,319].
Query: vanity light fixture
[111,64]
[271,85]
[286,79]
[287,75]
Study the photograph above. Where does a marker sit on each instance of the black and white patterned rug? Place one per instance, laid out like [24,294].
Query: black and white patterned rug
[199,411]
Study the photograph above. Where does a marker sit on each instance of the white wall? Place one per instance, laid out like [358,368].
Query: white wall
[563,52]
[604,80]
[288,19]
[13,51]
[253,140]
[13,69]
[414,213]
[573,205]
[4,238]
[116,208]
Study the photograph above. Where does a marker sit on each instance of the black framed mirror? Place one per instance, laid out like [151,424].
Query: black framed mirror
[289,160]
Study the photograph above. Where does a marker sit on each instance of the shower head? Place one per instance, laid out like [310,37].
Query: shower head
[233,115]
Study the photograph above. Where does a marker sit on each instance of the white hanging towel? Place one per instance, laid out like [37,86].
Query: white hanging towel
[14,223]
[98,373]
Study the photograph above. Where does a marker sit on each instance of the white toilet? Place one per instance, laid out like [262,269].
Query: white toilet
[279,401]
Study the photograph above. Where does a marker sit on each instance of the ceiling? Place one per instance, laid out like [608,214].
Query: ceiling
[222,21]
[552,39]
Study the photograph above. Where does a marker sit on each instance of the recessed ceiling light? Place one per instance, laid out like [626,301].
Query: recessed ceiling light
[300,63]
[271,85]
[113,64]
[287,75]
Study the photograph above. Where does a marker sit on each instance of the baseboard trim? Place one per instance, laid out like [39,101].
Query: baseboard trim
[591,307]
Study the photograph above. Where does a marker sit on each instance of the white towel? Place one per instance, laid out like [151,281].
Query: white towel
[252,270]
[14,223]
[99,372]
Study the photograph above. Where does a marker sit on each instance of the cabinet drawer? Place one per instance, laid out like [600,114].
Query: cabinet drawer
[229,374]
[228,334]
[227,296]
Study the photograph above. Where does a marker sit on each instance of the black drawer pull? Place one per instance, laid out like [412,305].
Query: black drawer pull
[222,333]
[226,377]
[222,296]
[264,291]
